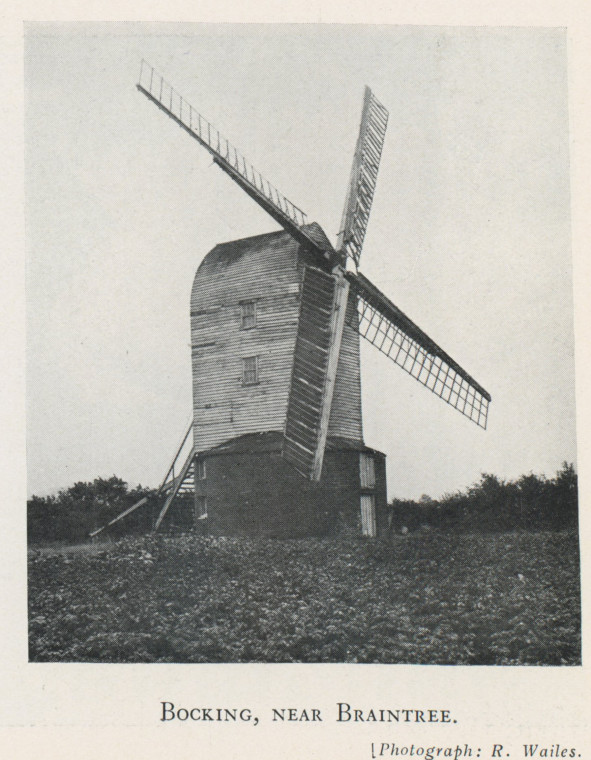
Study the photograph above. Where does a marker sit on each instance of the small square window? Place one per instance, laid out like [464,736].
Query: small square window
[250,370]
[248,314]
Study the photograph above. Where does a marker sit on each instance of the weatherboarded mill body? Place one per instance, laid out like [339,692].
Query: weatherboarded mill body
[245,322]
[277,439]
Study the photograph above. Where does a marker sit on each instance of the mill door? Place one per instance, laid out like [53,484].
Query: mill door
[200,509]
[368,515]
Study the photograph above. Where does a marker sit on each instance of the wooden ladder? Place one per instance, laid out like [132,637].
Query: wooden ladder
[184,482]
[172,485]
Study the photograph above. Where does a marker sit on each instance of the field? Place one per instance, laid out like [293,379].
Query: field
[426,597]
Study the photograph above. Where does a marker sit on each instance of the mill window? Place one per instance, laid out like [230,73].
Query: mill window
[250,370]
[201,469]
[248,314]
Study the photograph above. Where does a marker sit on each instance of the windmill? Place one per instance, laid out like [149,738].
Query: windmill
[277,442]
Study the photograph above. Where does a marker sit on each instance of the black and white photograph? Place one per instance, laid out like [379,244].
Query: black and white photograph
[300,356]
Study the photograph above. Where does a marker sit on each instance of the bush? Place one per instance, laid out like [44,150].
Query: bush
[530,503]
[74,512]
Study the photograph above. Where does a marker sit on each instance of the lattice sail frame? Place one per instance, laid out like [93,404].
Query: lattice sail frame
[226,155]
[381,323]
[363,178]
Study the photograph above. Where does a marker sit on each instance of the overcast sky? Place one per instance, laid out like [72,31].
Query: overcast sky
[469,232]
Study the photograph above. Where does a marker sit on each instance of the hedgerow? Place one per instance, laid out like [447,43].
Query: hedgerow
[532,502]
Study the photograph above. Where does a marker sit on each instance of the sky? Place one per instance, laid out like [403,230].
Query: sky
[469,232]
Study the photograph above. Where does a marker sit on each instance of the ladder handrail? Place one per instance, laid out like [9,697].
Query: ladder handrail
[120,516]
[179,481]
[172,483]
[176,456]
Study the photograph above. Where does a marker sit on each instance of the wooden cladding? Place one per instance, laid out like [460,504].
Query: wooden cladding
[266,270]
[262,270]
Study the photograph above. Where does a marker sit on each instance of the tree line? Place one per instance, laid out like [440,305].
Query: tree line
[73,513]
[532,502]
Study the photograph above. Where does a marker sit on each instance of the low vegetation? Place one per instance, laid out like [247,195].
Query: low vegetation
[427,597]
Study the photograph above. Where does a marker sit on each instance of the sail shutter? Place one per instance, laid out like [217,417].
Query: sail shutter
[304,410]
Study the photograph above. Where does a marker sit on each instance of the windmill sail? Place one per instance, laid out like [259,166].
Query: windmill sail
[392,332]
[225,155]
[364,173]
[323,300]
[317,350]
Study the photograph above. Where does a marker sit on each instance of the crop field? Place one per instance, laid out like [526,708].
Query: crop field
[427,597]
